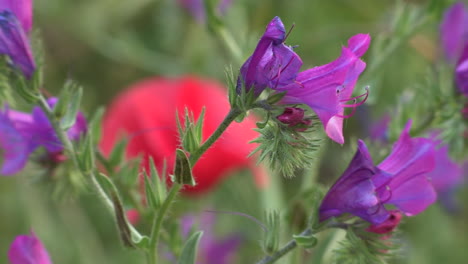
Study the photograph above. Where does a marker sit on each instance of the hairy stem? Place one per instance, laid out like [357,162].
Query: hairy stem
[284,250]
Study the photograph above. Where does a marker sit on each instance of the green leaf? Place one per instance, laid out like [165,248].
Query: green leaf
[272,236]
[94,126]
[86,156]
[118,153]
[72,109]
[159,182]
[183,170]
[189,252]
[151,197]
[305,241]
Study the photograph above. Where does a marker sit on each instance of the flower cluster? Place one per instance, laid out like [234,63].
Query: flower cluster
[22,133]
[408,179]
[325,89]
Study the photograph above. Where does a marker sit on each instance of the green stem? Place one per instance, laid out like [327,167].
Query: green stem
[158,220]
[70,152]
[284,250]
[231,116]
[228,40]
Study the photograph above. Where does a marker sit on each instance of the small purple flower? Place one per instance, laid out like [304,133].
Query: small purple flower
[22,133]
[400,180]
[15,43]
[325,89]
[212,250]
[272,64]
[28,250]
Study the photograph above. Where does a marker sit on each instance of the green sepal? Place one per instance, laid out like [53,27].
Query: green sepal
[117,155]
[191,134]
[151,197]
[276,97]
[86,155]
[160,186]
[272,235]
[183,169]
[71,112]
[189,251]
[94,126]
[305,241]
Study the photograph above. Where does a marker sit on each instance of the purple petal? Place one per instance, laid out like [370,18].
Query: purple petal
[22,10]
[15,44]
[409,157]
[447,174]
[413,196]
[14,147]
[461,72]
[326,88]
[354,191]
[359,44]
[272,64]
[454,30]
[28,250]
[44,133]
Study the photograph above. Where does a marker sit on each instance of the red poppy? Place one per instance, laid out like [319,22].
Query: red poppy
[146,112]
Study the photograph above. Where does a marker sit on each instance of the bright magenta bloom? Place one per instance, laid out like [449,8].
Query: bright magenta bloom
[28,250]
[325,89]
[400,180]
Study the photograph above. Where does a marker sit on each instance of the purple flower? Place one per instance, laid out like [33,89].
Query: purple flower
[212,250]
[15,43]
[22,133]
[400,180]
[454,38]
[272,64]
[28,250]
[22,10]
[325,89]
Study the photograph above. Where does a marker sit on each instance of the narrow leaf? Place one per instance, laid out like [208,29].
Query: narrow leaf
[183,170]
[72,109]
[189,252]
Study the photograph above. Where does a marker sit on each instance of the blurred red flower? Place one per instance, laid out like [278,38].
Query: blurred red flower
[146,111]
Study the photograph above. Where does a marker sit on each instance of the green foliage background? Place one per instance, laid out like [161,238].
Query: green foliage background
[106,45]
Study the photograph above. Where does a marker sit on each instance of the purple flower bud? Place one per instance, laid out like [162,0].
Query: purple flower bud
[28,250]
[22,10]
[15,44]
[400,180]
[294,116]
[272,64]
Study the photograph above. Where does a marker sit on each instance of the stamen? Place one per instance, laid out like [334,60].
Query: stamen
[366,94]
[347,116]
[289,32]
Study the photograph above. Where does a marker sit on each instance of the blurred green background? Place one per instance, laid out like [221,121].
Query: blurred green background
[106,45]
